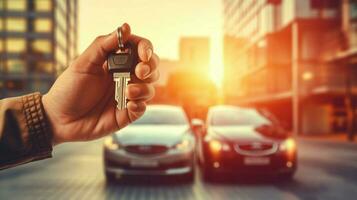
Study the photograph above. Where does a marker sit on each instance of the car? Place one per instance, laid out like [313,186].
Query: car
[160,143]
[245,141]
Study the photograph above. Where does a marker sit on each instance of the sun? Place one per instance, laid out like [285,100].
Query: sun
[216,75]
[216,62]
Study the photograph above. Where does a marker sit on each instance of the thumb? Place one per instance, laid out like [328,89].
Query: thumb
[134,110]
[96,54]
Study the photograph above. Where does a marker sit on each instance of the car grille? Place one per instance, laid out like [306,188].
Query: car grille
[146,149]
[256,148]
[161,166]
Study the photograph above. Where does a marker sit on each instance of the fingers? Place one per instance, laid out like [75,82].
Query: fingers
[136,106]
[145,50]
[93,58]
[148,71]
[135,109]
[96,54]
[138,95]
[142,92]
[104,45]
[145,47]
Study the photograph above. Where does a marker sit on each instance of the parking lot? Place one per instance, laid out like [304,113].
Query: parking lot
[76,172]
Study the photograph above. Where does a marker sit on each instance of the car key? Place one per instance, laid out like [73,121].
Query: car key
[122,65]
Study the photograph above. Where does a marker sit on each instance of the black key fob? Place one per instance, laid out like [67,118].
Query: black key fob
[125,61]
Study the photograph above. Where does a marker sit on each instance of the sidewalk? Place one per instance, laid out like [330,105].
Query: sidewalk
[340,138]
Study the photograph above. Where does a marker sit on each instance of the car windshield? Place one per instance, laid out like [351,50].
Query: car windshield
[163,116]
[238,116]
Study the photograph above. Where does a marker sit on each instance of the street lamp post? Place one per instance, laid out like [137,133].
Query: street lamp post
[295,78]
[349,105]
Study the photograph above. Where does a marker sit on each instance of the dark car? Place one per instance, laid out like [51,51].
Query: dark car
[239,140]
[160,143]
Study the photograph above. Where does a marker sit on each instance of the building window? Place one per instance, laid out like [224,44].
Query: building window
[43,25]
[15,66]
[353,10]
[60,19]
[71,21]
[1,45]
[42,46]
[43,5]
[73,5]
[353,35]
[61,38]
[62,4]
[2,4]
[16,24]
[2,67]
[44,67]
[15,85]
[61,56]
[17,5]
[40,85]
[15,45]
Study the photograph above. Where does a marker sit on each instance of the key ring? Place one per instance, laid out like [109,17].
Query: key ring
[120,39]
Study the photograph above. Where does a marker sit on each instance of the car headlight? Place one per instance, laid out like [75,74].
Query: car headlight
[289,146]
[216,146]
[111,144]
[183,145]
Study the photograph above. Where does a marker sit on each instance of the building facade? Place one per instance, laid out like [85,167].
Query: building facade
[194,53]
[186,81]
[294,57]
[38,38]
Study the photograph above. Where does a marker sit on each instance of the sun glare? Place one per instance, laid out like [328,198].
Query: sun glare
[216,74]
[216,66]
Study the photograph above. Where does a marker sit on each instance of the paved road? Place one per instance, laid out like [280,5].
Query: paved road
[327,171]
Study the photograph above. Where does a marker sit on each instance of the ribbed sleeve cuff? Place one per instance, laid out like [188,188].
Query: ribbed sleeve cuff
[40,134]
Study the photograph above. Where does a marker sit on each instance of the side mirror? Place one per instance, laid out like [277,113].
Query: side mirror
[197,126]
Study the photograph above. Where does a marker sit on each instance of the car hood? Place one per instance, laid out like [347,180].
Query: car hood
[244,133]
[167,135]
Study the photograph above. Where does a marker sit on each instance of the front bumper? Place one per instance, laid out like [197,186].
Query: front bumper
[233,163]
[152,172]
[172,162]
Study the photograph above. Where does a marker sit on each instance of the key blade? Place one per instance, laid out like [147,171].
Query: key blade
[118,86]
[121,81]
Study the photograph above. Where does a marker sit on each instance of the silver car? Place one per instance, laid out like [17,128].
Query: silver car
[159,143]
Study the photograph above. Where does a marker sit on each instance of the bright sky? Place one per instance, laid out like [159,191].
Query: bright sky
[161,21]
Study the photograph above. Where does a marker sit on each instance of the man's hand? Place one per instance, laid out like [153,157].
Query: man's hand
[81,106]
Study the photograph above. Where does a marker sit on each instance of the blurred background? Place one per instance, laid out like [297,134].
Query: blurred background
[294,58]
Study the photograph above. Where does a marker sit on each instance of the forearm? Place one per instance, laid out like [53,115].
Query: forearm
[25,134]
